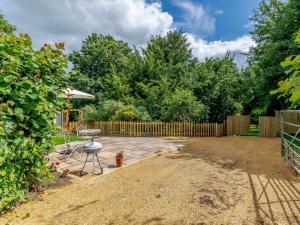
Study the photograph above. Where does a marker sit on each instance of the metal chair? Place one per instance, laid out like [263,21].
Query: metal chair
[79,127]
[69,149]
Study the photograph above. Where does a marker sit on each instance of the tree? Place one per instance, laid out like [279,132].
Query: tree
[165,65]
[98,59]
[5,26]
[275,24]
[30,85]
[163,73]
[291,86]
[182,105]
[217,83]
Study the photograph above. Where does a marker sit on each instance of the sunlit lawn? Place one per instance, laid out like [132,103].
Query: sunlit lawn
[58,140]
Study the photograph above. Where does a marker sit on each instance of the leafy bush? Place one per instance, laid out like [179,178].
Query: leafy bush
[131,113]
[182,105]
[114,110]
[90,113]
[30,84]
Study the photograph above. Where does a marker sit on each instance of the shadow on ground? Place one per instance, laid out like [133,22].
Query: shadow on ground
[276,198]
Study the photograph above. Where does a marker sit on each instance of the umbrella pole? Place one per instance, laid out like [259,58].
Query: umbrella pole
[68,115]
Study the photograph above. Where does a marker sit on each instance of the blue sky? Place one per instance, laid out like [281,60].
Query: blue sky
[231,16]
[212,27]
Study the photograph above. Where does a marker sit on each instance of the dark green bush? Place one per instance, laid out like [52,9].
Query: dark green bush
[114,110]
[182,105]
[30,84]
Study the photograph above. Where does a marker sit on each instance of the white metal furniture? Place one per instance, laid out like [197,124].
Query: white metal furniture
[80,127]
[69,149]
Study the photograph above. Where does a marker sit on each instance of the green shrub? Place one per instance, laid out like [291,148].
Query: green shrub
[30,84]
[131,113]
[182,105]
[114,110]
[74,116]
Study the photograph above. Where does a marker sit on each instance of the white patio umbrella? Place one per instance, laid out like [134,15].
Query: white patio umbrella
[74,94]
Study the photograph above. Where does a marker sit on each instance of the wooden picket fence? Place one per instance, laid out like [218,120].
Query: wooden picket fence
[151,128]
[269,126]
[238,125]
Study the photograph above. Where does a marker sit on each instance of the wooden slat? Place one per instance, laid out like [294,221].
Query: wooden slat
[155,128]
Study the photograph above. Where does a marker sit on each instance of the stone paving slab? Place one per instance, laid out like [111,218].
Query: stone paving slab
[135,149]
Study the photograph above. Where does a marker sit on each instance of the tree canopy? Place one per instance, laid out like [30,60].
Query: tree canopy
[5,26]
[164,79]
[291,86]
[275,25]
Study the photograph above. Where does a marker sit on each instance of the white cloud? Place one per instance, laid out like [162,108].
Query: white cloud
[133,21]
[72,20]
[202,48]
[195,19]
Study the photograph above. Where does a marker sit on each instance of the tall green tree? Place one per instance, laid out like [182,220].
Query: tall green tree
[275,24]
[163,80]
[291,86]
[5,26]
[95,63]
[217,83]
[165,65]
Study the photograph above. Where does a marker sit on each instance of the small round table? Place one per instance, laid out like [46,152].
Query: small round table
[90,132]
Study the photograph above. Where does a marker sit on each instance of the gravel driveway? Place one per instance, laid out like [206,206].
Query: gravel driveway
[227,180]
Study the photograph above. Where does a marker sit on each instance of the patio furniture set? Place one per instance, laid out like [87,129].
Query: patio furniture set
[91,148]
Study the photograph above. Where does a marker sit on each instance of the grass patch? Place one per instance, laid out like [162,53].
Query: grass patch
[58,140]
[254,130]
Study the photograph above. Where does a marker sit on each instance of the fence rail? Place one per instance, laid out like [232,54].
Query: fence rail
[144,128]
[290,140]
[269,126]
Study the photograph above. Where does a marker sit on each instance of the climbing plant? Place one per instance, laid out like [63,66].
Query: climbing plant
[31,82]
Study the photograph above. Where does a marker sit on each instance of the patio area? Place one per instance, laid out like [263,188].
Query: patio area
[135,149]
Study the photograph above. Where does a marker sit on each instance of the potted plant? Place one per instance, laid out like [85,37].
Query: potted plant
[120,158]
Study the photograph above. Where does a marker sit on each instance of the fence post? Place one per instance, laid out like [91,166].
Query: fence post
[281,134]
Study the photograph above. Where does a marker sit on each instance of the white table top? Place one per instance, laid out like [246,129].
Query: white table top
[89,132]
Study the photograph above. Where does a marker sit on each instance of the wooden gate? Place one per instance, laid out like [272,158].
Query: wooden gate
[238,125]
[268,126]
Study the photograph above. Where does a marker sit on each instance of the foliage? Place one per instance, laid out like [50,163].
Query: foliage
[182,105]
[131,113]
[106,110]
[100,57]
[74,116]
[291,86]
[218,85]
[275,23]
[146,83]
[114,110]
[90,113]
[30,84]
[5,26]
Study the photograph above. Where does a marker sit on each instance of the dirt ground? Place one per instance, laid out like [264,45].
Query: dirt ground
[228,180]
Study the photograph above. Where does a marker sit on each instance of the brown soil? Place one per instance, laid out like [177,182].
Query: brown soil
[228,180]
